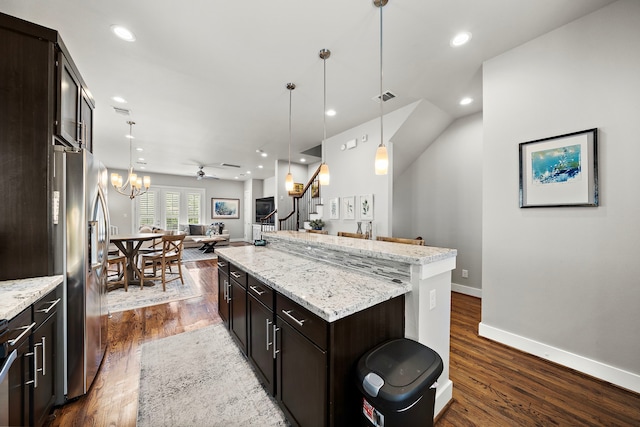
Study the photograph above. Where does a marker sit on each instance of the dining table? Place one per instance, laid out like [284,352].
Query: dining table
[129,245]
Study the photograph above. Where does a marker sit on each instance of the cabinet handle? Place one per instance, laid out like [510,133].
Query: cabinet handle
[257,291]
[53,304]
[226,290]
[44,359]
[221,264]
[34,353]
[234,274]
[288,313]
[19,337]
[268,324]
[275,345]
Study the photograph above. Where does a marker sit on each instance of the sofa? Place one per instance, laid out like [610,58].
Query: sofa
[191,232]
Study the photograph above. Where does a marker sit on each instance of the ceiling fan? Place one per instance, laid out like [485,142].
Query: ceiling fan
[201,174]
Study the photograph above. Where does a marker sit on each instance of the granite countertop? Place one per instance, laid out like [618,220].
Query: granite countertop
[16,295]
[411,254]
[329,291]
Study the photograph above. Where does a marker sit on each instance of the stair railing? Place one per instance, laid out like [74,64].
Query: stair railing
[304,204]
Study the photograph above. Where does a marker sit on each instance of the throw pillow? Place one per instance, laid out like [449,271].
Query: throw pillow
[184,228]
[196,230]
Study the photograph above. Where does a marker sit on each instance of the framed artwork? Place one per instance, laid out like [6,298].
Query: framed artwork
[225,208]
[560,171]
[297,189]
[349,207]
[334,208]
[366,207]
[315,190]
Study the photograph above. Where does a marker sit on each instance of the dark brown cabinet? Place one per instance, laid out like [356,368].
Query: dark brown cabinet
[33,334]
[238,306]
[307,363]
[260,328]
[223,290]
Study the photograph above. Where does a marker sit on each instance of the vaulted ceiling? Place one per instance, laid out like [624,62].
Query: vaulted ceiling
[205,79]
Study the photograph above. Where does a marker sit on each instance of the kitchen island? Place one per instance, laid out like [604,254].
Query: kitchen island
[336,278]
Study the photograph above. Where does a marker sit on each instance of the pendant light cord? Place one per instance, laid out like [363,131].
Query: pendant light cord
[381,94]
[324,106]
[290,90]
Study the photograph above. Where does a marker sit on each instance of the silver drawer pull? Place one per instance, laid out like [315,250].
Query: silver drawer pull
[257,291]
[53,304]
[19,337]
[288,313]
[236,275]
[221,264]
[268,342]
[44,358]
[275,345]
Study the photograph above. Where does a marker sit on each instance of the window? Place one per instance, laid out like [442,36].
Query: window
[147,209]
[193,208]
[170,208]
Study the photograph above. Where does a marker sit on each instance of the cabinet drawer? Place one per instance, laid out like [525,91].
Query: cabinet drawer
[19,330]
[261,292]
[46,306]
[238,274]
[223,265]
[304,321]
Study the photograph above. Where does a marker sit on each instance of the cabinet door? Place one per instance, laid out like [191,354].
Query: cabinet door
[301,377]
[223,300]
[44,339]
[261,342]
[86,121]
[238,318]
[67,113]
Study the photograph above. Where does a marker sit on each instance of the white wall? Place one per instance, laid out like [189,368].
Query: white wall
[121,207]
[439,197]
[564,283]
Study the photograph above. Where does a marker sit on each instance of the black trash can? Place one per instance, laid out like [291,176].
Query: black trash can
[396,379]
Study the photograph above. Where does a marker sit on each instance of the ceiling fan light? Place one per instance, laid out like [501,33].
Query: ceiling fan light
[288,182]
[324,174]
[382,160]
[147,182]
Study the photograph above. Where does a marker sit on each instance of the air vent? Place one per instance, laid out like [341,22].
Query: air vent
[385,96]
[229,165]
[122,111]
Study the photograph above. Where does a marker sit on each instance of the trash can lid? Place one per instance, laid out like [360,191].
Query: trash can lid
[406,367]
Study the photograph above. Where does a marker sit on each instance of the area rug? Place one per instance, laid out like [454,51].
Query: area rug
[200,378]
[119,300]
[195,254]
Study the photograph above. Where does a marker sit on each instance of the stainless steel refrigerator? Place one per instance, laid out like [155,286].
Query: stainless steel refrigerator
[80,211]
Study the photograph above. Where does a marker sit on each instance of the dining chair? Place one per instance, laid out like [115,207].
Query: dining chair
[354,235]
[170,253]
[117,272]
[401,240]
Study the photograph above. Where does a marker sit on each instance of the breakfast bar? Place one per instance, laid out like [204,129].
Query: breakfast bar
[337,278]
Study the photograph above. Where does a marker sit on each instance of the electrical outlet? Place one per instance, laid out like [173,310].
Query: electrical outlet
[465,274]
[364,138]
[432,299]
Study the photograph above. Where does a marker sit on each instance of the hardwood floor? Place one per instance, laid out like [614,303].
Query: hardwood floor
[494,385]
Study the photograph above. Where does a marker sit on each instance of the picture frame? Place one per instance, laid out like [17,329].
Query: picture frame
[560,171]
[334,208]
[297,189]
[349,207]
[315,190]
[365,207]
[225,208]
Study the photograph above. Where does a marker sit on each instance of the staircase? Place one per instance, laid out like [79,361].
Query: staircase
[306,205]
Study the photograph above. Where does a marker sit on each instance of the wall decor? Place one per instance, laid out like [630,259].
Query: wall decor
[334,208]
[297,189]
[366,206]
[349,207]
[315,190]
[225,208]
[560,171]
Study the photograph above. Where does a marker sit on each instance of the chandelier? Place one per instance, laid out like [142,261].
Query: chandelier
[133,187]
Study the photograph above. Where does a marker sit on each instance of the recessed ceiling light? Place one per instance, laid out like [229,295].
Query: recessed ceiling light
[303,160]
[236,177]
[248,172]
[123,33]
[141,159]
[139,149]
[331,113]
[260,166]
[142,167]
[460,39]
[130,136]
[263,154]
[119,99]
[466,101]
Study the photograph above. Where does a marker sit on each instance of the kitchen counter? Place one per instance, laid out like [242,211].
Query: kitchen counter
[16,295]
[331,292]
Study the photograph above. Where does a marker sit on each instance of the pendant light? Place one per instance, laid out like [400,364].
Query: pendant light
[382,157]
[288,182]
[134,184]
[324,169]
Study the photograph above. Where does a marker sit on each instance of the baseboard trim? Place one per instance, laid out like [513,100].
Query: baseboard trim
[444,395]
[619,377]
[467,290]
